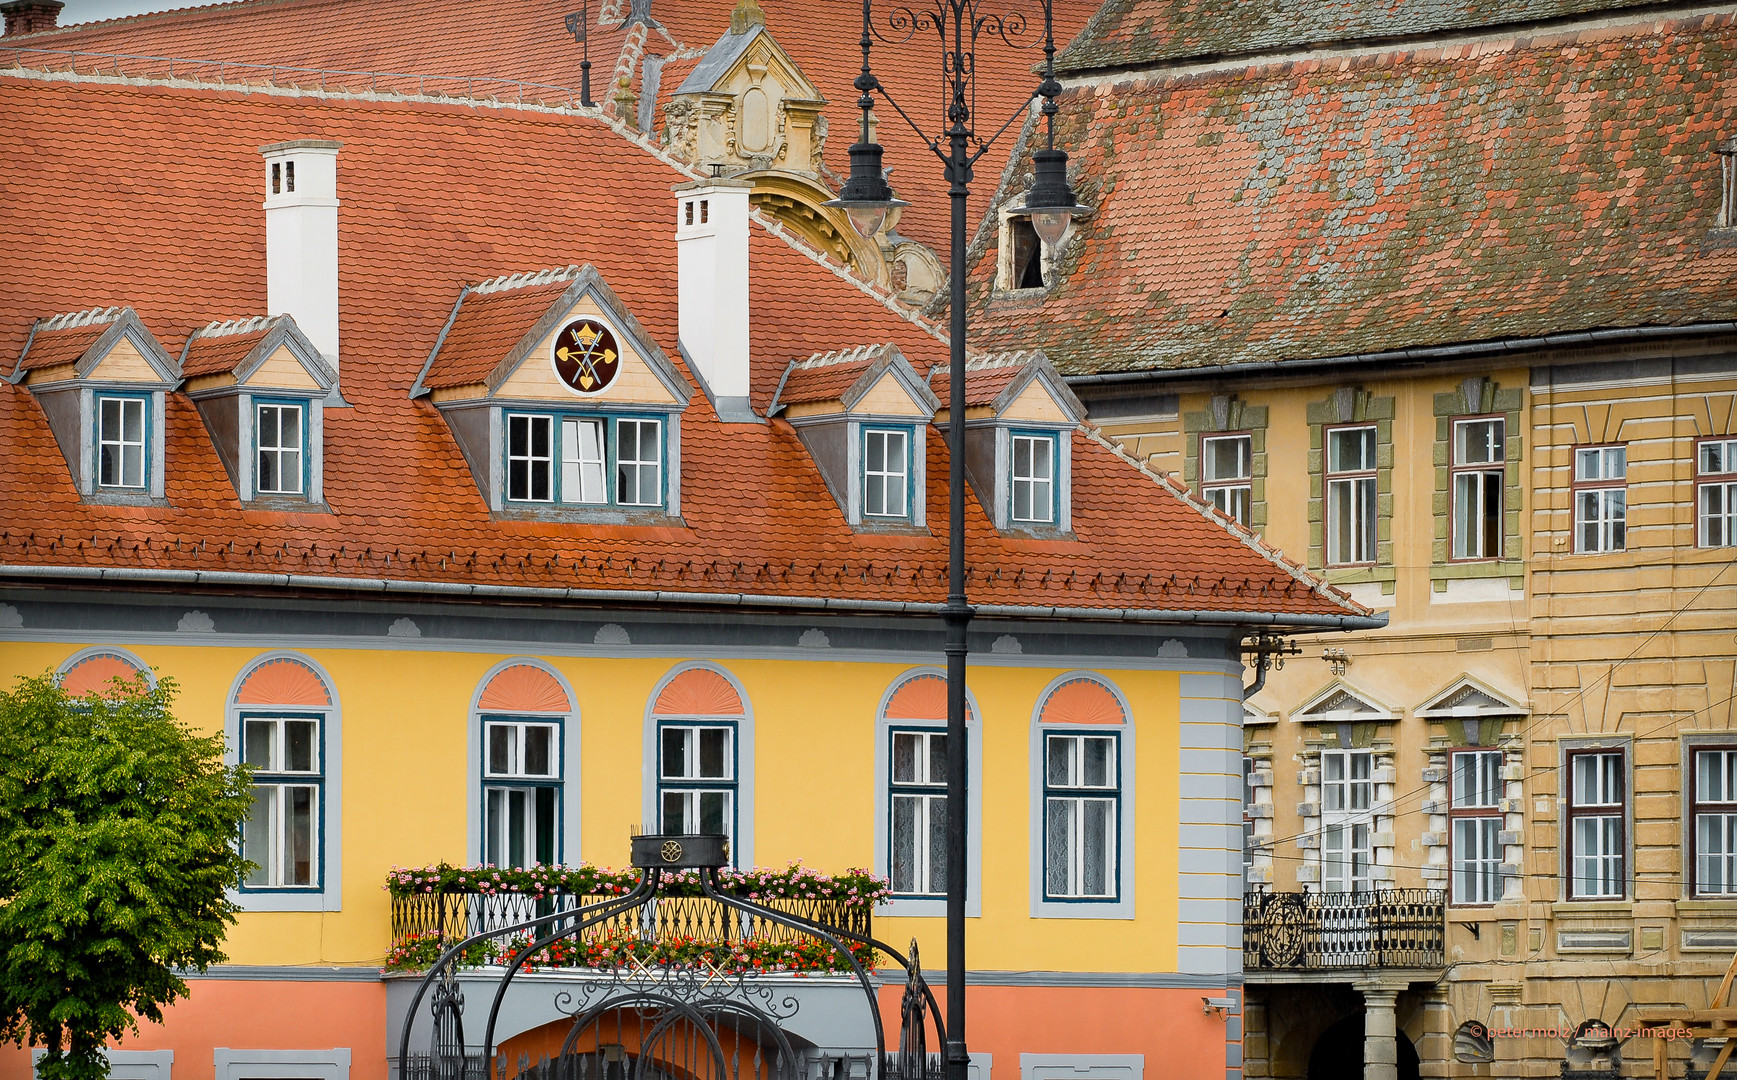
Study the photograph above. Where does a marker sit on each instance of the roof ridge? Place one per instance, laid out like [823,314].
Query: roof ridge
[73,319]
[1250,539]
[844,356]
[526,279]
[229,327]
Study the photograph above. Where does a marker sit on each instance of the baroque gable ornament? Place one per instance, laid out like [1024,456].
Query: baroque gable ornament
[586,356]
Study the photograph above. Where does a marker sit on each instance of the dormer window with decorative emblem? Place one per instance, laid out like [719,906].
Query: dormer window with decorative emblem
[560,402]
[864,416]
[1019,420]
[262,387]
[103,380]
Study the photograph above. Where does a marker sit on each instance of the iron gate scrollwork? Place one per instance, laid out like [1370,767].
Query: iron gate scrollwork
[639,1020]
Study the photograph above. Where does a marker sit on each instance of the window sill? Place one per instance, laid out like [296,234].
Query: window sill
[1592,909]
[119,498]
[1721,907]
[648,516]
[889,527]
[1013,296]
[286,504]
[322,899]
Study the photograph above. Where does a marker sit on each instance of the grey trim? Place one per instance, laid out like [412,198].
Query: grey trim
[333,1064]
[1209,835]
[125,1064]
[330,895]
[672,464]
[717,61]
[732,410]
[87,436]
[1122,907]
[271,973]
[1081,1066]
[883,726]
[1419,355]
[159,464]
[1141,980]
[247,450]
[455,589]
[569,850]
[416,388]
[742,847]
[315,445]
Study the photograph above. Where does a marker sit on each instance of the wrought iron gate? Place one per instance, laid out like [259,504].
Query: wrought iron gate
[651,1021]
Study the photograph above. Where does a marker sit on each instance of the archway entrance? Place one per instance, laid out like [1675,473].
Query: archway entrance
[1338,1053]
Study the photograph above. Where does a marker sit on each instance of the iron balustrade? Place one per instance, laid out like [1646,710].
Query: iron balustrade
[1317,931]
[454,916]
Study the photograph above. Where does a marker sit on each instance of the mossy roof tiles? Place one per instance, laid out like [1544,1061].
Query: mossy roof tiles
[1508,189]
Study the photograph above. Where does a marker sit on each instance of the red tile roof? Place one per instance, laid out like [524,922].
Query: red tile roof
[985,378]
[527,40]
[1511,188]
[53,345]
[435,196]
[1134,33]
[218,348]
[489,321]
[826,376]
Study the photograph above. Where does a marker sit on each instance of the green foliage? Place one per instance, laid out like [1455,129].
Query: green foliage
[793,882]
[117,845]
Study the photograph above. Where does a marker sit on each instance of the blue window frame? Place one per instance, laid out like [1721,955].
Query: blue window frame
[283,835]
[696,777]
[1033,489]
[280,447]
[1082,797]
[917,811]
[886,472]
[567,459]
[521,790]
[123,441]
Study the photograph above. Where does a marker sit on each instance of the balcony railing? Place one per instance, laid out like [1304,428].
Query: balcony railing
[453,916]
[1315,931]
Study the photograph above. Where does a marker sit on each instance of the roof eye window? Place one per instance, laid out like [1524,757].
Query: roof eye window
[1021,255]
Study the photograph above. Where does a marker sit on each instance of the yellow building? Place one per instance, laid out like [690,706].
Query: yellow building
[491,544]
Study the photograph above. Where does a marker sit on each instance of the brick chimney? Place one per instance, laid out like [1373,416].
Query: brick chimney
[29,16]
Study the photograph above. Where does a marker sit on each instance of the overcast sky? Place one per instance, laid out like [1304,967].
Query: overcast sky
[78,11]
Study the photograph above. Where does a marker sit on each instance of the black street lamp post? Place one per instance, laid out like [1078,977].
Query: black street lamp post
[866,200]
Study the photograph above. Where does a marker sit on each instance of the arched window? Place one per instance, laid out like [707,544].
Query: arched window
[700,756]
[911,793]
[283,721]
[1082,793]
[93,671]
[524,747]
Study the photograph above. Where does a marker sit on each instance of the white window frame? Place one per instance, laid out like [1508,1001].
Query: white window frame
[279,782]
[926,791]
[584,477]
[516,784]
[280,451]
[328,896]
[895,476]
[690,786]
[1716,493]
[1713,819]
[1471,481]
[121,444]
[639,463]
[529,459]
[1121,905]
[1033,483]
[1347,820]
[568,804]
[1361,487]
[1232,495]
[333,1064]
[1080,1066]
[1475,821]
[1606,860]
[1600,492]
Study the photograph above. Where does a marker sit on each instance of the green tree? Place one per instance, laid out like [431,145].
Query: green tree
[117,846]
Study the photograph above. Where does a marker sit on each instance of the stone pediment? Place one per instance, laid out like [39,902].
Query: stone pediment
[1468,697]
[1340,703]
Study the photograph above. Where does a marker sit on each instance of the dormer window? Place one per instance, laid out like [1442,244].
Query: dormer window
[886,472]
[1027,254]
[1034,478]
[583,445]
[122,422]
[278,432]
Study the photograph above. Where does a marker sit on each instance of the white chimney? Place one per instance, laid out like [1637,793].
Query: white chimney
[712,287]
[301,238]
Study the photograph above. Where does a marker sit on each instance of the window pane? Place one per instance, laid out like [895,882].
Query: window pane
[904,853]
[937,758]
[545,826]
[714,812]
[905,757]
[1057,845]
[503,759]
[675,744]
[539,751]
[1098,762]
[714,753]
[516,826]
[1478,442]
[298,745]
[582,461]
[1061,760]
[875,495]
[1227,459]
[133,421]
[299,837]
[674,813]
[1098,828]
[260,744]
[494,829]
[256,834]
[1351,449]
[936,809]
